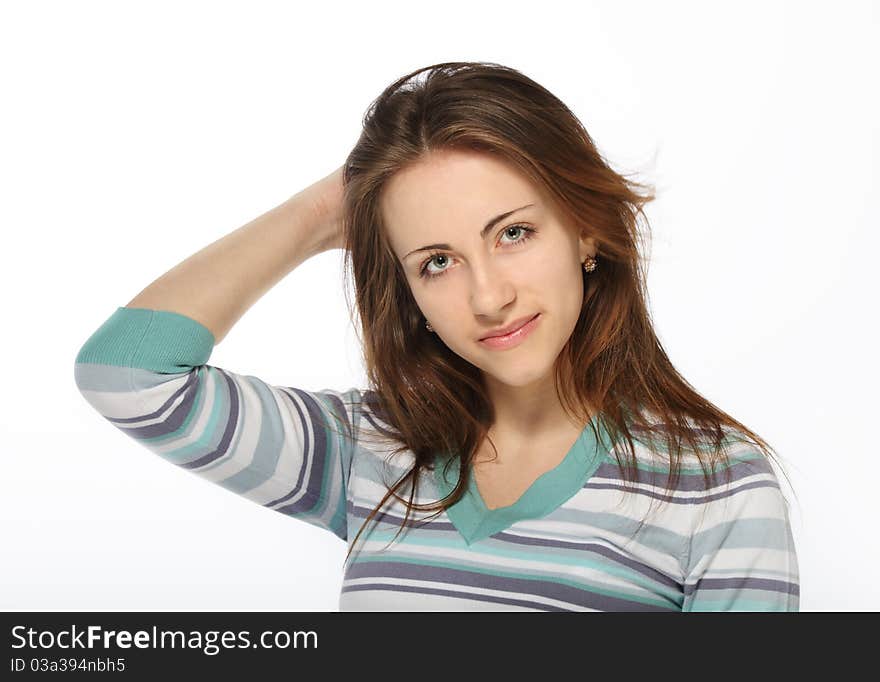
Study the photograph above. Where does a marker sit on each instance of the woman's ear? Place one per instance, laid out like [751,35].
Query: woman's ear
[587,246]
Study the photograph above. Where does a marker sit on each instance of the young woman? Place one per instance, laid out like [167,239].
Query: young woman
[517,388]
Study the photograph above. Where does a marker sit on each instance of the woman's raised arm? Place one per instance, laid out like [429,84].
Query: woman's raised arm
[218,284]
[145,371]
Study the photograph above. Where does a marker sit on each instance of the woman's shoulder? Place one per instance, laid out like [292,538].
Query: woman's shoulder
[733,456]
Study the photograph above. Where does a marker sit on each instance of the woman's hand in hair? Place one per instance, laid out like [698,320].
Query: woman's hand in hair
[325,196]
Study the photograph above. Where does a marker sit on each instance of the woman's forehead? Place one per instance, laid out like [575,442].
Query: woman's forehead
[437,199]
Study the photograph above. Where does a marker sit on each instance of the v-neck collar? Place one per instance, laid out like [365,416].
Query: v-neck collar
[475,521]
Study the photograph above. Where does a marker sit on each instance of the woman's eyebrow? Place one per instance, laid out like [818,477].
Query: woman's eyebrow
[494,221]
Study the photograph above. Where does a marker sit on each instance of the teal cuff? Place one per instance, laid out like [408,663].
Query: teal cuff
[155,340]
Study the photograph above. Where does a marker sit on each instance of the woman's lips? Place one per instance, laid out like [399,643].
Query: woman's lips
[512,339]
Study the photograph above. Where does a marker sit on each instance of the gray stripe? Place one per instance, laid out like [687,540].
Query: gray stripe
[99,377]
[525,586]
[228,429]
[766,584]
[769,533]
[451,593]
[157,430]
[727,492]
[315,453]
[687,482]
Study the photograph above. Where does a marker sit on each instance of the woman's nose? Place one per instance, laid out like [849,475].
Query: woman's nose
[491,290]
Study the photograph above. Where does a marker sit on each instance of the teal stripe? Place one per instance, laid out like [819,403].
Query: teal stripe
[337,520]
[741,605]
[745,456]
[203,443]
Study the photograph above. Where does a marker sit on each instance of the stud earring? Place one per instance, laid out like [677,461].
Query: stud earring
[428,326]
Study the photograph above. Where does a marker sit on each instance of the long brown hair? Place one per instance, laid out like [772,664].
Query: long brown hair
[429,399]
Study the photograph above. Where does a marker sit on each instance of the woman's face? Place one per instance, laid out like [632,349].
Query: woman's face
[528,262]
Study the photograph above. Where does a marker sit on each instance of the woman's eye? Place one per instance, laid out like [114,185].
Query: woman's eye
[527,233]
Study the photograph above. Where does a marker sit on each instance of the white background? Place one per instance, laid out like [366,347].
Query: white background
[134,134]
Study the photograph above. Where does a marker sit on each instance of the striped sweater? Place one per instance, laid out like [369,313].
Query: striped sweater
[571,542]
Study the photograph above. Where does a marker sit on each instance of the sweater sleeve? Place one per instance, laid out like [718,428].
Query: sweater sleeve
[741,553]
[284,448]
